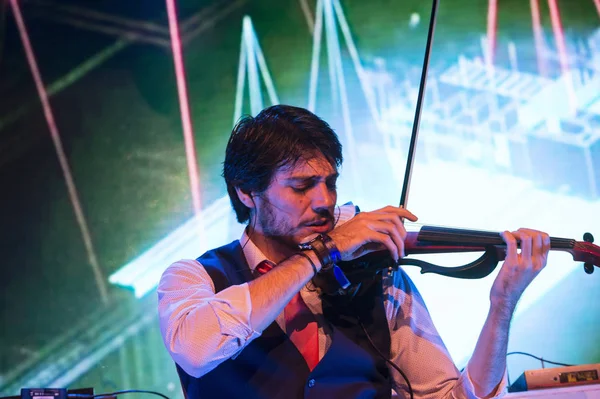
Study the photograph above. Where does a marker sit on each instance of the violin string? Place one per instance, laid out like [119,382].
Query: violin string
[477,237]
[456,234]
[467,236]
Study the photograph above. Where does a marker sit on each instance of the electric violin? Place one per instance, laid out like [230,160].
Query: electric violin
[435,240]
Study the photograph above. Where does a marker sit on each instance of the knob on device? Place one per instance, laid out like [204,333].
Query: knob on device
[588,267]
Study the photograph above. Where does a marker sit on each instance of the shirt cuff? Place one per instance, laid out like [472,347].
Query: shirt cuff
[345,212]
[469,388]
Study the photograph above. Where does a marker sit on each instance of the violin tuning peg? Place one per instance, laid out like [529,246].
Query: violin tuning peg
[588,237]
[588,268]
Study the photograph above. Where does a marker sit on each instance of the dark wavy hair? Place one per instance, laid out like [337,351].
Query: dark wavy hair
[278,136]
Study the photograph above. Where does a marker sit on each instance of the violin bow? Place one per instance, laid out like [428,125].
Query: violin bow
[412,147]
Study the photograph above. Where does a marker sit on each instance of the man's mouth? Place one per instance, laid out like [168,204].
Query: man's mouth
[320,226]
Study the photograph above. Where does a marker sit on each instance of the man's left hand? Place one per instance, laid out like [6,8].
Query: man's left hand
[519,268]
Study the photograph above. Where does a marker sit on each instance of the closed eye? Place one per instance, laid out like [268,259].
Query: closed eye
[303,185]
[300,188]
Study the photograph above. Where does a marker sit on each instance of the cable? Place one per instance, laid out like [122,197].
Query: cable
[541,359]
[76,395]
[410,390]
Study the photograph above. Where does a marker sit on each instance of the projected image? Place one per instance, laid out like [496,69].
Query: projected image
[114,118]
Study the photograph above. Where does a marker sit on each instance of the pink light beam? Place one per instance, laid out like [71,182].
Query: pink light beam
[559,37]
[538,36]
[64,164]
[492,26]
[597,3]
[186,120]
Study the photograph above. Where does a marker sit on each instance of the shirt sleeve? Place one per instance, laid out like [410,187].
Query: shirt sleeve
[499,392]
[418,350]
[201,328]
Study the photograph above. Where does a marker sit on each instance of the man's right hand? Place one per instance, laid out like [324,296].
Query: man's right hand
[373,231]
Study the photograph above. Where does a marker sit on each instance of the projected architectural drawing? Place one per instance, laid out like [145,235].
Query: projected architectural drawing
[491,120]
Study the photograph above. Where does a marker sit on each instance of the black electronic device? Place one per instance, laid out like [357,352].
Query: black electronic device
[54,393]
[44,393]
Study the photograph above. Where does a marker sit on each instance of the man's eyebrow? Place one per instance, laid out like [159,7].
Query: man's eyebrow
[309,177]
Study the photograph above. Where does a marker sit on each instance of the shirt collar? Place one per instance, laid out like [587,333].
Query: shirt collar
[252,254]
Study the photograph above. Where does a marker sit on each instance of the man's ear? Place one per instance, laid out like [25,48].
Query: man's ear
[245,197]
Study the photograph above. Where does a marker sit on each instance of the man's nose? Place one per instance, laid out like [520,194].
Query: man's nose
[323,197]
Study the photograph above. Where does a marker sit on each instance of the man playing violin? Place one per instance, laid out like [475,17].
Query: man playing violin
[246,320]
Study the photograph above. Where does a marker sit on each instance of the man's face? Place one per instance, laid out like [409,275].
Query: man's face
[299,201]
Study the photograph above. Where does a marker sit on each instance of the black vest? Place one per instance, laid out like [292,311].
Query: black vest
[272,367]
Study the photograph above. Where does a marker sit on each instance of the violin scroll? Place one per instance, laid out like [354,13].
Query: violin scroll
[587,252]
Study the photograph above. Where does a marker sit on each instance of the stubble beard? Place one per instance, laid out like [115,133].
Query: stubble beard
[277,231]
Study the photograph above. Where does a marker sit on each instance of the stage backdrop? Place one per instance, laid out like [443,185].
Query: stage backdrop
[108,181]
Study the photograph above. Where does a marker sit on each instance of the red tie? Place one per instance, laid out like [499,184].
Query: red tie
[300,324]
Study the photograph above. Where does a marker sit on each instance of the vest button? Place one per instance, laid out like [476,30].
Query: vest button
[311,383]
